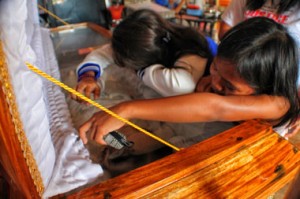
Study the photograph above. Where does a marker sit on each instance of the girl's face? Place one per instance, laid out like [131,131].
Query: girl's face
[226,80]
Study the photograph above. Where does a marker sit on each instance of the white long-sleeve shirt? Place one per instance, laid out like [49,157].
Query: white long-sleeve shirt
[96,61]
[180,79]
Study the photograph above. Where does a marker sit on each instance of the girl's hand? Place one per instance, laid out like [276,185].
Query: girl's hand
[98,126]
[87,86]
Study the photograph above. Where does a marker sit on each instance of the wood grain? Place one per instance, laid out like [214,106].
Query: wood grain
[248,161]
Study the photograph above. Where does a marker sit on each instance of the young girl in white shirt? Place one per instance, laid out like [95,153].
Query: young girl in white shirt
[168,58]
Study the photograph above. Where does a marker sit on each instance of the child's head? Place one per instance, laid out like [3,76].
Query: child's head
[265,57]
[145,38]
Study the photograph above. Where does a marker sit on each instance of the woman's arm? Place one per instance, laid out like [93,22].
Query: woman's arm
[206,107]
[195,107]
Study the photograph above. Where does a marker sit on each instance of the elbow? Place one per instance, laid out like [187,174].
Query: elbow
[182,87]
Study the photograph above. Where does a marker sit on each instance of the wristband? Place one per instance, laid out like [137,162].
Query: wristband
[82,69]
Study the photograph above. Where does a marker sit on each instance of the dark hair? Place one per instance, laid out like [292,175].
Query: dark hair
[266,56]
[144,38]
[284,5]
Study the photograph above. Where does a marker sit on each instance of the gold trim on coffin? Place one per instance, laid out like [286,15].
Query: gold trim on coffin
[25,146]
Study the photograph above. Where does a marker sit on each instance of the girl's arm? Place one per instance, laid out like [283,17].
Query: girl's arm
[90,70]
[168,81]
[195,107]
[96,61]
[177,80]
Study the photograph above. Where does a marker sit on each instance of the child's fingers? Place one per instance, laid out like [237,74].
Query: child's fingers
[73,96]
[97,93]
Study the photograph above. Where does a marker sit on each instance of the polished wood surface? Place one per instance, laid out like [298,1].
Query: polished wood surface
[248,161]
[13,166]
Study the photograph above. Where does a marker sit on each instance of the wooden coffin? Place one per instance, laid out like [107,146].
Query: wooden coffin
[247,161]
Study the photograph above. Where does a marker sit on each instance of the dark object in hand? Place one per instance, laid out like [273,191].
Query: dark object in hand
[117,140]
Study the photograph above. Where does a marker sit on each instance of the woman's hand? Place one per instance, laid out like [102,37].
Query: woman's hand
[99,125]
[204,84]
[87,86]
